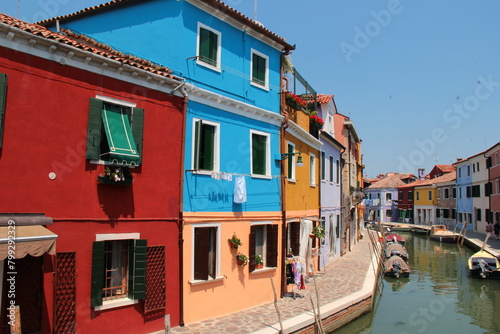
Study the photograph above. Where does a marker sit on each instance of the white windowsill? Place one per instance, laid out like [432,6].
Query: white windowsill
[207,65]
[199,282]
[263,270]
[204,172]
[256,85]
[107,304]
[292,180]
[259,176]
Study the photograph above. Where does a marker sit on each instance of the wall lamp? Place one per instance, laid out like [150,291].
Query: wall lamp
[284,156]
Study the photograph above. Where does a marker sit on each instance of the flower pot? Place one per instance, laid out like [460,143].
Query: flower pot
[241,263]
[259,266]
[106,180]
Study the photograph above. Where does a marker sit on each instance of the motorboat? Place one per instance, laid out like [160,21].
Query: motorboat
[442,234]
[396,267]
[401,227]
[484,265]
[395,248]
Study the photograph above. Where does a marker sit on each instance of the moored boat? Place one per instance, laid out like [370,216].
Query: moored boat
[401,227]
[440,233]
[394,237]
[484,265]
[396,267]
[396,249]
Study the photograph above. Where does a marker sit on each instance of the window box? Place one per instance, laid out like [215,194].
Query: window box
[116,176]
[105,180]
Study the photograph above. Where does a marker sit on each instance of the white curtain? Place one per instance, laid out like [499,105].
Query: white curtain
[306,226]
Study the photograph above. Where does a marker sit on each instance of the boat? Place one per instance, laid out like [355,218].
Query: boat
[401,227]
[440,233]
[396,267]
[395,248]
[484,265]
[394,237]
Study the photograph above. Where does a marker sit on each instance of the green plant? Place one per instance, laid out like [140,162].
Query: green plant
[242,259]
[319,231]
[116,174]
[235,241]
[259,259]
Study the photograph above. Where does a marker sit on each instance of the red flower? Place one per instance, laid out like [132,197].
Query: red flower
[317,119]
[301,103]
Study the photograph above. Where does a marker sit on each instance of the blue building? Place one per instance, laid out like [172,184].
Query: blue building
[232,68]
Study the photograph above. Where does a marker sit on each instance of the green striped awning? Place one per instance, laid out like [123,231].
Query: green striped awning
[122,148]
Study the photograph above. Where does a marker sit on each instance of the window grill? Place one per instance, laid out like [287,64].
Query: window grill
[155,279]
[65,293]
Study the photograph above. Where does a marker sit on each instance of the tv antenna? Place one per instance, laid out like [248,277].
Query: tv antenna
[18,5]
[255,10]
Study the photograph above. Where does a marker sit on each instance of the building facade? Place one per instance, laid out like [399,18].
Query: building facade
[102,177]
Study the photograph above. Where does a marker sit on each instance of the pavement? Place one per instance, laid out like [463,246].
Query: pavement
[342,283]
[348,278]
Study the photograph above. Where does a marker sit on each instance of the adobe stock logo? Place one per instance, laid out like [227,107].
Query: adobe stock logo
[454,117]
[363,37]
[48,9]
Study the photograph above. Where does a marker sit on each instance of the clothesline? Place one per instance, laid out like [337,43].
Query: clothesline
[207,172]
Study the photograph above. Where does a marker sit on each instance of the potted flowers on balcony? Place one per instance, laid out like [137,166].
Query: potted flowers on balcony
[295,101]
[116,175]
[315,124]
[242,259]
[234,242]
[319,232]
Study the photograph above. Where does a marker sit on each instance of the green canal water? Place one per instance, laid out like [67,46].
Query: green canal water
[438,297]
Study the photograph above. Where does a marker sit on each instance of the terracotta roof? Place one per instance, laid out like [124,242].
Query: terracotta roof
[86,44]
[217,4]
[448,177]
[323,99]
[392,180]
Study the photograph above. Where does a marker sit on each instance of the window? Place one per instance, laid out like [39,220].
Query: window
[291,162]
[205,252]
[260,160]
[478,214]
[468,170]
[331,169]
[429,194]
[323,166]
[208,47]
[497,183]
[418,195]
[3,97]
[388,213]
[388,196]
[460,172]
[446,193]
[337,163]
[205,145]
[118,269]
[115,131]
[410,195]
[259,69]
[454,192]
[477,164]
[264,242]
[312,171]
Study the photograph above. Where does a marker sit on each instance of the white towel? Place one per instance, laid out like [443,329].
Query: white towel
[240,190]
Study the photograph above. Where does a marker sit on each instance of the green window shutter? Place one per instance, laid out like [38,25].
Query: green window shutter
[3,98]
[94,129]
[290,161]
[323,165]
[331,169]
[207,147]
[97,285]
[196,145]
[208,46]
[258,69]
[259,154]
[137,269]
[272,246]
[138,130]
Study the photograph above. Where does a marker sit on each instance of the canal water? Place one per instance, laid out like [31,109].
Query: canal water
[438,297]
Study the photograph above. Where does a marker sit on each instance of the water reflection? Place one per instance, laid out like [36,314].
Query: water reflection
[438,297]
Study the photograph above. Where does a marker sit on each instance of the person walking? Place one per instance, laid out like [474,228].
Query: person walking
[496,228]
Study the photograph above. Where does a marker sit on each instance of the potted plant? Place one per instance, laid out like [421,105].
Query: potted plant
[295,101]
[115,175]
[242,259]
[319,232]
[259,261]
[234,242]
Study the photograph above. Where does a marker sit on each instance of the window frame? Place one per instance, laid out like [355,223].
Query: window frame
[217,66]
[271,244]
[136,267]
[312,170]
[337,176]
[323,166]
[216,148]
[217,248]
[267,154]
[265,57]
[95,131]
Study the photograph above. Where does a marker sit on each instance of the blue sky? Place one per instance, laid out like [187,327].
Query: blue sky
[420,79]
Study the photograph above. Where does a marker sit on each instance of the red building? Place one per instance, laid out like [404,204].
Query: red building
[493,187]
[90,168]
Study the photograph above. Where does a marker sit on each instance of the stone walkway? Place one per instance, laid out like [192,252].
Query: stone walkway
[341,278]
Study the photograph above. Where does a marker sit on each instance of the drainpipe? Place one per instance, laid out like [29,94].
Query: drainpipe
[180,222]
[284,125]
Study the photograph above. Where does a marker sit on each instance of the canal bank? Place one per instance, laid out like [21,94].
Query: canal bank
[345,290]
